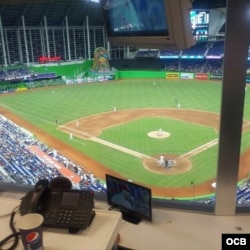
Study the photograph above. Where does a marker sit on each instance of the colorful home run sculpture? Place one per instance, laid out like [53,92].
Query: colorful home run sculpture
[101,63]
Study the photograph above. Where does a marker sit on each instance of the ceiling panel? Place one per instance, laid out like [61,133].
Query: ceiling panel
[55,11]
[34,11]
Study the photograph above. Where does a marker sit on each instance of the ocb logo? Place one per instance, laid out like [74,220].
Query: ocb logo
[236,241]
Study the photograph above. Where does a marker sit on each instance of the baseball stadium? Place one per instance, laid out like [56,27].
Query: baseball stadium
[152,117]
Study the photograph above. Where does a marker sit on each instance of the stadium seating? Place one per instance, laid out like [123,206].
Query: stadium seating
[192,65]
[20,165]
[213,66]
[23,74]
[170,54]
[204,57]
[197,51]
[216,50]
[147,54]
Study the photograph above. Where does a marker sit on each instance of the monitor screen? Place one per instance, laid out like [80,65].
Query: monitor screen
[131,17]
[133,200]
[157,24]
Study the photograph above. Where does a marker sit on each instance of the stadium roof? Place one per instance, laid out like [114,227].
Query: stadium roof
[34,11]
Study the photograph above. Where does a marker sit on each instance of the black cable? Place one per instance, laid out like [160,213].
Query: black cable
[6,239]
[14,234]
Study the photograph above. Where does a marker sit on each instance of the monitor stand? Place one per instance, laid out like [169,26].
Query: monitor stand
[129,217]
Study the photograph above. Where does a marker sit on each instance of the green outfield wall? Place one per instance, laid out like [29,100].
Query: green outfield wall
[140,74]
[70,70]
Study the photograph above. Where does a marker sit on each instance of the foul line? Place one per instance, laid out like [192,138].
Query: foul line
[123,149]
[140,155]
[109,144]
[199,149]
[204,146]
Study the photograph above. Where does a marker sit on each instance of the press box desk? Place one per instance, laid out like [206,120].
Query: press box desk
[100,235]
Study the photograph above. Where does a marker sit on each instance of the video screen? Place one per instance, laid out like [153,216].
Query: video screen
[200,24]
[128,195]
[135,17]
[70,199]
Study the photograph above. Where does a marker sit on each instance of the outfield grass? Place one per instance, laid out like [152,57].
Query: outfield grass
[44,106]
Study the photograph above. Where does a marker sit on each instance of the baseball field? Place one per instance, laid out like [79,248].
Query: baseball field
[124,127]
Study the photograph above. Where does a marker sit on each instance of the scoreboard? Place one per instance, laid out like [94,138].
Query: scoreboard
[200,24]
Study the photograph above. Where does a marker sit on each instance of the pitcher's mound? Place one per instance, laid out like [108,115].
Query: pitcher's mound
[158,134]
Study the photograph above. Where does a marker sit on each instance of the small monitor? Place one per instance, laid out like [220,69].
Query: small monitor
[133,200]
[157,24]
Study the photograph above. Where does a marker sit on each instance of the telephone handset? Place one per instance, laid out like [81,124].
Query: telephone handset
[61,206]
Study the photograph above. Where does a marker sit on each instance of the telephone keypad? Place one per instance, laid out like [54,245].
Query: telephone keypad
[76,215]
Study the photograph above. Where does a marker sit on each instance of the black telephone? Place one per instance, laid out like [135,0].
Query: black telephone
[61,206]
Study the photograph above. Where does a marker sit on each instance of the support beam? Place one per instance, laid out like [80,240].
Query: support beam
[232,105]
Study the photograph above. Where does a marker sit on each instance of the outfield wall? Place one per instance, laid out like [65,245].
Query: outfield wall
[140,74]
[162,74]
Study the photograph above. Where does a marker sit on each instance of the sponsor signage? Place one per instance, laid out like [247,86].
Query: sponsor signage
[172,75]
[192,57]
[184,75]
[201,76]
[214,57]
[169,57]
[215,77]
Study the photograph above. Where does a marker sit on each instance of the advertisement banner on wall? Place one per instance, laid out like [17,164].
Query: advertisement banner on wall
[185,75]
[216,77]
[172,75]
[201,76]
